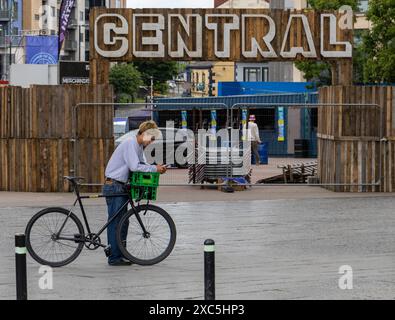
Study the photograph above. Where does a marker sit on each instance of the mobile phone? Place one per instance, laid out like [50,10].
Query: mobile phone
[167,165]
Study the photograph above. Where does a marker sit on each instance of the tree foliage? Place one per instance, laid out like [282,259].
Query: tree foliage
[126,80]
[160,71]
[332,4]
[378,45]
[319,72]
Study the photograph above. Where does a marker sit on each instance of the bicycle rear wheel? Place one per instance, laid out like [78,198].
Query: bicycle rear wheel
[42,237]
[149,246]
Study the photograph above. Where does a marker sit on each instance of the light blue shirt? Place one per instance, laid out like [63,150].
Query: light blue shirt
[128,156]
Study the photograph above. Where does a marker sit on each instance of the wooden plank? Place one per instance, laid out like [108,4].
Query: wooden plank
[280,18]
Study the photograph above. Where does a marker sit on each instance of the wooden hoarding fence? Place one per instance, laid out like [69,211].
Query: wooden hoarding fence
[37,138]
[356,144]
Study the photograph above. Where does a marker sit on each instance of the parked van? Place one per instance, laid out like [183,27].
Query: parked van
[133,122]
[119,127]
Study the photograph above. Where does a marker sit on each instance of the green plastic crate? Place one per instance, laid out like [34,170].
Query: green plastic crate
[144,193]
[146,179]
[144,185]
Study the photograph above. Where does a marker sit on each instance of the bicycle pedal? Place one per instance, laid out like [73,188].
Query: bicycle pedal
[107,251]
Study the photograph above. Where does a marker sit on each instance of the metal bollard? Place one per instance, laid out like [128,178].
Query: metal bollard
[20,263]
[209,269]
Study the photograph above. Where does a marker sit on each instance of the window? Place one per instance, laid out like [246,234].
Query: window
[358,36]
[289,4]
[53,11]
[36,17]
[81,37]
[82,18]
[363,5]
[265,74]
[3,5]
[15,10]
[255,74]
[252,74]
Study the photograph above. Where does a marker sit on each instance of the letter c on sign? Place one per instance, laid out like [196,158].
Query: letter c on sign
[108,41]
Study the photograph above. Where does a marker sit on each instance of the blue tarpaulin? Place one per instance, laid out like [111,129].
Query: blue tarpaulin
[236,180]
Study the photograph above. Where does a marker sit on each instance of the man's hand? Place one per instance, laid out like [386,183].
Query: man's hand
[161,169]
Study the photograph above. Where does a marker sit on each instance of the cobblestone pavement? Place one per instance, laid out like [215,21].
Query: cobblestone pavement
[265,249]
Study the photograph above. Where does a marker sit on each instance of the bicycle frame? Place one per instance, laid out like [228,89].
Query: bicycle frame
[79,200]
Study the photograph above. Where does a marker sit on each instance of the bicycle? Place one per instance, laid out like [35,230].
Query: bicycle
[56,236]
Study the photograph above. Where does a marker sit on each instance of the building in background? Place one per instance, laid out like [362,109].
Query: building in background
[205,76]
[270,71]
[361,22]
[199,77]
[11,23]
[97,3]
[41,17]
[76,44]
[20,20]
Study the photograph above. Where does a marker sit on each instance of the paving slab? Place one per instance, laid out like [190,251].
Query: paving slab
[265,249]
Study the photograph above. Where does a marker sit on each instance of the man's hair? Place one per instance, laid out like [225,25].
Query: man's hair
[147,125]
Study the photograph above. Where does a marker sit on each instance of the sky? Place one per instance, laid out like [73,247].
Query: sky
[170,3]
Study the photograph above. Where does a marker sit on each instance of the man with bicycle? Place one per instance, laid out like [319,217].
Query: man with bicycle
[127,157]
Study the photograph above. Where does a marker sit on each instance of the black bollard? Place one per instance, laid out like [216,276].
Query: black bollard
[20,264]
[209,269]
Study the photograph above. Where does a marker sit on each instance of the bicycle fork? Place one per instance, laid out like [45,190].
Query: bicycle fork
[146,234]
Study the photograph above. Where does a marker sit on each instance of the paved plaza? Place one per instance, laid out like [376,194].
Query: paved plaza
[284,247]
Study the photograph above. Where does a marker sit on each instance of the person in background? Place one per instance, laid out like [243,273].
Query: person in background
[127,157]
[254,138]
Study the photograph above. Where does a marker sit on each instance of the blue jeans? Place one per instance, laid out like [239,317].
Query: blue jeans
[113,205]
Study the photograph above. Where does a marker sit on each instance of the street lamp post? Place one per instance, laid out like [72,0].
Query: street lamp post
[152,89]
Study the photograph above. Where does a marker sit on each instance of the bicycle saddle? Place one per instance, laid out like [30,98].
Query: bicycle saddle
[73,179]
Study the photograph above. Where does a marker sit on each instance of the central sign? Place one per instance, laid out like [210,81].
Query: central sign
[219,34]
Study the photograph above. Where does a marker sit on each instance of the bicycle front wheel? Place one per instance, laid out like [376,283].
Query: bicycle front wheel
[54,237]
[146,235]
